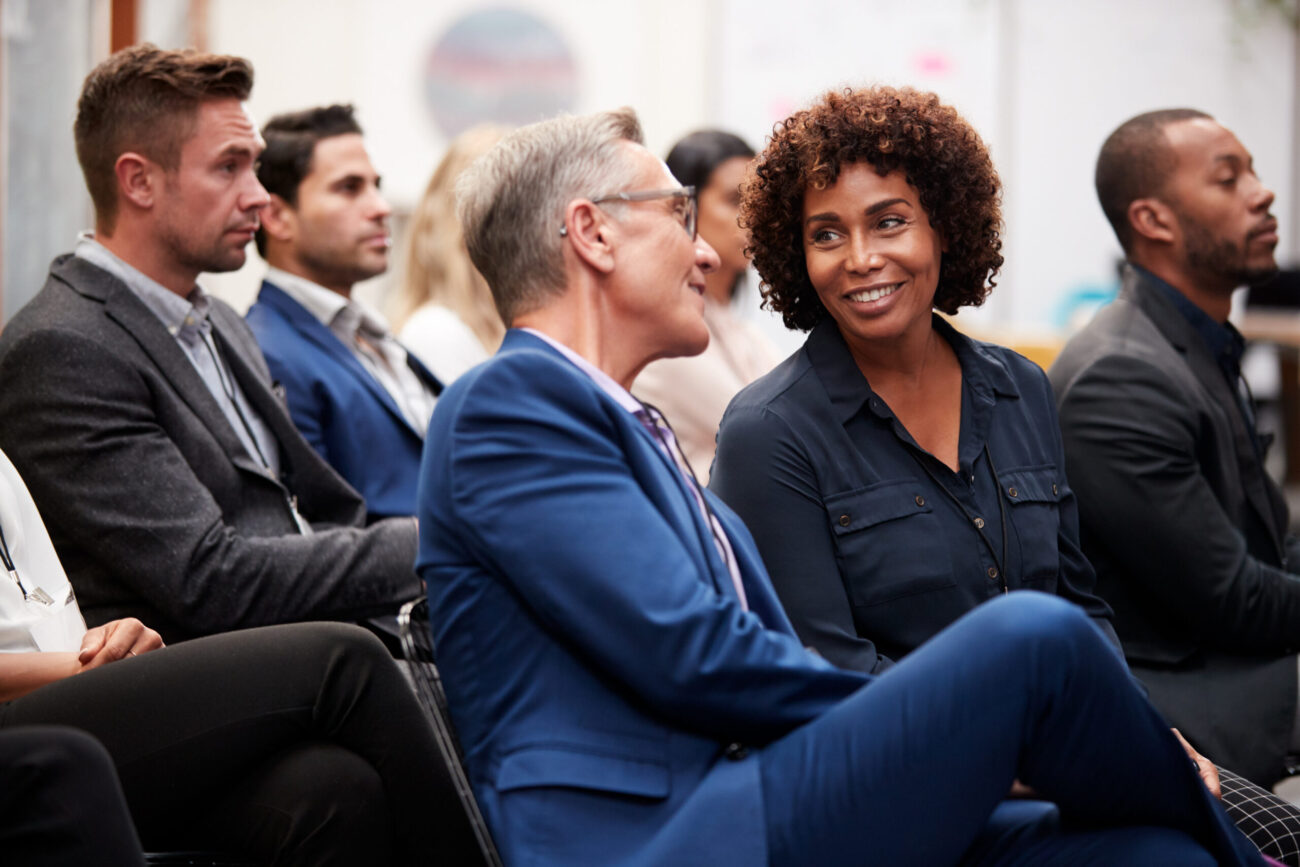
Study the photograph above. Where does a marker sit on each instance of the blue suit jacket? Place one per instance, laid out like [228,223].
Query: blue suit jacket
[341,409]
[594,652]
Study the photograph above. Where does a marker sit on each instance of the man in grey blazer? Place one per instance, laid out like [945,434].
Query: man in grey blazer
[1186,530]
[140,410]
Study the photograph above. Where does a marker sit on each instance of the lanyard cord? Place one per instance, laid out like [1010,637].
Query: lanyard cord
[9,563]
[1000,561]
[227,387]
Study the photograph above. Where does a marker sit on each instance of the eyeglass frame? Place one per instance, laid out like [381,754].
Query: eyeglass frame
[688,192]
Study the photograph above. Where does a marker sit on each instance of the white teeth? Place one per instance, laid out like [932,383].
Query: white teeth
[874,294]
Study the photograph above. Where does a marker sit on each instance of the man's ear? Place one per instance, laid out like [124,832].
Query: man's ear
[279,219]
[590,234]
[138,178]
[1153,219]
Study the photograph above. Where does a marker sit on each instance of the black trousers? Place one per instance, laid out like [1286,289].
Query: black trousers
[297,744]
[60,803]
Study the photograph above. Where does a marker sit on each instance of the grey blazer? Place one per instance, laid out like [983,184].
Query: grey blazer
[154,506]
[1185,529]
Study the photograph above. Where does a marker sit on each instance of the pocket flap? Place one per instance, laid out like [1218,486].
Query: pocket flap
[570,767]
[866,507]
[1032,485]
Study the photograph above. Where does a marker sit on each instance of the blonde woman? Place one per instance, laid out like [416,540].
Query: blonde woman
[443,311]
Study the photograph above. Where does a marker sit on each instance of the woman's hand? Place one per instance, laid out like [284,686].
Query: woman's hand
[116,640]
[1209,773]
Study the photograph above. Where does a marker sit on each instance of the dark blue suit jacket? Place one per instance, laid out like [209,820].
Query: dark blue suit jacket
[595,655]
[341,409]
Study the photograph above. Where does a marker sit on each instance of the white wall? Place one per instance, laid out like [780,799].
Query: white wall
[1043,80]
[650,55]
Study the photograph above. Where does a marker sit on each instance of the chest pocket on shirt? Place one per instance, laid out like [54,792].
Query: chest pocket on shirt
[888,542]
[1033,495]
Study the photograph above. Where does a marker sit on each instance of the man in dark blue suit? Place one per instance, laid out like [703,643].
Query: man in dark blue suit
[354,392]
[624,682]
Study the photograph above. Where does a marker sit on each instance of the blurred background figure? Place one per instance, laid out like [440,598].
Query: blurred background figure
[693,391]
[443,311]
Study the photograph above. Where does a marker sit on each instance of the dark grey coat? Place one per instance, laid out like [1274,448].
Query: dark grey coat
[154,506]
[1185,529]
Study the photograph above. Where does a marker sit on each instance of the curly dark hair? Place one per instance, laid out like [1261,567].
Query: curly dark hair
[938,152]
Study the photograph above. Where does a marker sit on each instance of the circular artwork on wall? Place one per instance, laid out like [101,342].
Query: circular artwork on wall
[501,66]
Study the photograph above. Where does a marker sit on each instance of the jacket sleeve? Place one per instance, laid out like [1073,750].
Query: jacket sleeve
[545,497]
[82,425]
[764,474]
[1076,578]
[1132,450]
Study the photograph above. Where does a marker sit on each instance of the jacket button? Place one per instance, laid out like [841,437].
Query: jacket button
[1053,490]
[993,571]
[736,752]
[920,500]
[979,523]
[844,520]
[1012,492]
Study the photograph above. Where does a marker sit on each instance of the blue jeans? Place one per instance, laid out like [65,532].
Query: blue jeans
[914,768]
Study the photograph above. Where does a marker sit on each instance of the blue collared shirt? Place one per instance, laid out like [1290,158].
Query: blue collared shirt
[1226,346]
[873,544]
[186,320]
[1224,341]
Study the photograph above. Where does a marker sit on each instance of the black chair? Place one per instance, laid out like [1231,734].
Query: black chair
[193,859]
[417,648]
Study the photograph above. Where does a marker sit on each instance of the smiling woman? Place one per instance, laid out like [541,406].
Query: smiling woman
[895,473]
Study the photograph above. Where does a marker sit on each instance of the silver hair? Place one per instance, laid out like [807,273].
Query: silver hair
[511,200]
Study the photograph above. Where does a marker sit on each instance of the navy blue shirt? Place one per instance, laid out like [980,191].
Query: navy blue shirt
[874,545]
[1226,346]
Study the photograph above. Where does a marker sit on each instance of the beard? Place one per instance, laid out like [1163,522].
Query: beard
[1221,257]
[212,256]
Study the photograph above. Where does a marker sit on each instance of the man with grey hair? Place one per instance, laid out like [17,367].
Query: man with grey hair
[624,681]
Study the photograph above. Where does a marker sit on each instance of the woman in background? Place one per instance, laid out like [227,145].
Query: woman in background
[895,473]
[444,311]
[693,391]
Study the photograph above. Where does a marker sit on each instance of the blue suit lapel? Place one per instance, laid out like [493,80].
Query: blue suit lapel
[682,507]
[322,338]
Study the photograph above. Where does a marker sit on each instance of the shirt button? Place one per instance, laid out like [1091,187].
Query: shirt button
[844,520]
[1012,492]
[979,523]
[736,752]
[920,500]
[993,571]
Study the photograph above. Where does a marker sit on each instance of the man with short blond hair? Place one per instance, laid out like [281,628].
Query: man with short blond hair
[138,408]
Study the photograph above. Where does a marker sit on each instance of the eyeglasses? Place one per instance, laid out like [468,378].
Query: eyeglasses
[686,212]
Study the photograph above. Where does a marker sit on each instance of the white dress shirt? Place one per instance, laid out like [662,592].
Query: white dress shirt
[366,335]
[37,607]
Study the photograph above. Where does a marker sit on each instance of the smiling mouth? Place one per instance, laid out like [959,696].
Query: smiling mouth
[868,295]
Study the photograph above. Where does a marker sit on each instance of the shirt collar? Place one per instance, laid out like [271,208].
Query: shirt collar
[603,380]
[182,317]
[848,390]
[329,307]
[1223,340]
